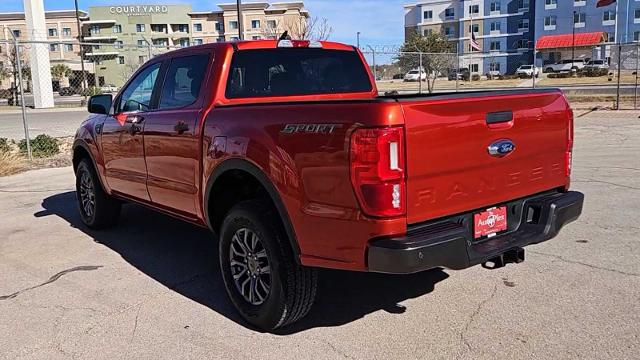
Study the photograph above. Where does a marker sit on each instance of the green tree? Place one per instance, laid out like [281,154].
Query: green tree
[60,71]
[438,55]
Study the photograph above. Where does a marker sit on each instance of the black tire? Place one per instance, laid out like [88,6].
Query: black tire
[105,210]
[292,287]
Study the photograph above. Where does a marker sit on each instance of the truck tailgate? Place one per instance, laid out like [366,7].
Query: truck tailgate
[449,167]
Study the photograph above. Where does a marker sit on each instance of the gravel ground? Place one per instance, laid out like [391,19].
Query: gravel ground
[151,288]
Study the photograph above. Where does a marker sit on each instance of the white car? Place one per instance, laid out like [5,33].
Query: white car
[415,75]
[527,71]
[597,64]
[109,88]
[565,65]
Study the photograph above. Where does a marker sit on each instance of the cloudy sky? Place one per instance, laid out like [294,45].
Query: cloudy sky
[379,21]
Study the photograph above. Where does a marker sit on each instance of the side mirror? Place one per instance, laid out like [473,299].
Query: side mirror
[100,104]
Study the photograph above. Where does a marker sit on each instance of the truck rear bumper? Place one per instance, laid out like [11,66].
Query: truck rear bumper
[449,242]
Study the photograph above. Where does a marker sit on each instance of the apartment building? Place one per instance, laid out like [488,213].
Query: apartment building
[504,30]
[596,29]
[61,27]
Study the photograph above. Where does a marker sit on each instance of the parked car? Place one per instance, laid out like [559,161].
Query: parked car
[109,88]
[462,74]
[528,71]
[565,65]
[398,76]
[67,91]
[415,75]
[296,175]
[597,64]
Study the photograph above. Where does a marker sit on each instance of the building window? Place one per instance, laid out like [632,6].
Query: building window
[141,43]
[473,68]
[234,38]
[183,28]
[53,32]
[474,28]
[427,15]
[255,24]
[53,47]
[197,27]
[95,29]
[255,37]
[636,14]
[233,25]
[121,60]
[495,27]
[197,42]
[218,26]
[142,59]
[449,31]
[494,46]
[611,37]
[271,24]
[66,32]
[472,49]
[550,4]
[474,9]
[119,44]
[494,67]
[184,42]
[427,32]
[579,19]
[521,44]
[610,15]
[494,6]
[68,47]
[549,22]
[16,33]
[636,36]
[449,13]
[156,28]
[523,25]
[140,28]
[523,5]
[117,29]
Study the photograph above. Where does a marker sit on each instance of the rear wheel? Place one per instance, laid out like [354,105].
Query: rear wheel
[97,209]
[262,278]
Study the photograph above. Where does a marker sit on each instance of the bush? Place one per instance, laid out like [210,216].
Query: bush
[561,75]
[475,77]
[591,72]
[42,146]
[4,145]
[90,91]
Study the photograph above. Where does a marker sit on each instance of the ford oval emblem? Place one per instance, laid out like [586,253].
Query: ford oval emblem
[501,148]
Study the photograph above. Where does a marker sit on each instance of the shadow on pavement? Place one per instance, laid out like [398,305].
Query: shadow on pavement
[184,258]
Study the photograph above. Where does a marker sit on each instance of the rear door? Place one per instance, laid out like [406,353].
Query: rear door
[450,168]
[122,144]
[171,134]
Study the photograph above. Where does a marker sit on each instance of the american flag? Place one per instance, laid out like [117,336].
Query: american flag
[474,42]
[602,3]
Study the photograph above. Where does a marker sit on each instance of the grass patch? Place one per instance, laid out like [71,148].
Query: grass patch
[11,163]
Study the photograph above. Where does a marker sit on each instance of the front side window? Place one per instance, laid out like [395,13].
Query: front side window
[290,72]
[183,81]
[137,96]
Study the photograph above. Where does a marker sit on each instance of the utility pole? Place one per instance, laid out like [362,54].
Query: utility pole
[358,39]
[573,37]
[240,22]
[80,38]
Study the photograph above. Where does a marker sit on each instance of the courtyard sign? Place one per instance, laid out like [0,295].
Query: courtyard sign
[136,10]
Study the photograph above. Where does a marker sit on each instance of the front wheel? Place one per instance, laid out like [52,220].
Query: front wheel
[97,209]
[264,282]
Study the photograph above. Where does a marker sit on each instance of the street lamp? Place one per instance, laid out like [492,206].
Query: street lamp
[358,39]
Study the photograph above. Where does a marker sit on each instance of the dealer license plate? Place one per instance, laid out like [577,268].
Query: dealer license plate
[490,222]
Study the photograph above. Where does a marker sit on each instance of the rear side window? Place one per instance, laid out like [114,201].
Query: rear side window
[286,72]
[183,81]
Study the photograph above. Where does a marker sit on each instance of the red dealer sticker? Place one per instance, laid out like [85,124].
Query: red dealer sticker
[490,222]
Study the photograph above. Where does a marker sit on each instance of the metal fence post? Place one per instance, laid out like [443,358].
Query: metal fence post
[619,74]
[420,75]
[635,95]
[24,110]
[375,70]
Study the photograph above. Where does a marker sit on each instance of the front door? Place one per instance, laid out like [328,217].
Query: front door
[122,141]
[172,138]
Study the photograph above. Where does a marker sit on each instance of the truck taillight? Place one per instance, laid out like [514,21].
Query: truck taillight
[569,152]
[378,170]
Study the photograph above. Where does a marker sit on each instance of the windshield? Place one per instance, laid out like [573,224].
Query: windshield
[525,67]
[413,72]
[287,72]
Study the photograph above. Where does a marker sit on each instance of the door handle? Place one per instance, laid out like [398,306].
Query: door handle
[181,127]
[136,123]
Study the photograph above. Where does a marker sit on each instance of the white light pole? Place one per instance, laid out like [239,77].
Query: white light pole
[39,54]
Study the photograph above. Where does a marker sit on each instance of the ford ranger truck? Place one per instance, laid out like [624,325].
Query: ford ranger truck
[286,151]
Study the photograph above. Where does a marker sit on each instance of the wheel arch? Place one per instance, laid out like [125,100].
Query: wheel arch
[81,151]
[244,166]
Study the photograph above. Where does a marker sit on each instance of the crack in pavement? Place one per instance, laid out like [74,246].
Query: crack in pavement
[607,183]
[463,337]
[32,191]
[585,264]
[51,279]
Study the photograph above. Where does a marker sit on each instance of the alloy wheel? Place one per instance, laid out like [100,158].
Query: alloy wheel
[250,266]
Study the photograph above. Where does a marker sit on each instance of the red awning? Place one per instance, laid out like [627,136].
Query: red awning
[566,40]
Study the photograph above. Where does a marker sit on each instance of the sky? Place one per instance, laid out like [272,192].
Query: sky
[380,22]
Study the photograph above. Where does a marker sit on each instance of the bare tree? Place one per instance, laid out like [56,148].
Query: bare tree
[303,29]
[128,69]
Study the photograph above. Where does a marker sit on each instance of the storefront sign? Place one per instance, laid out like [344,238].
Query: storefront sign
[136,10]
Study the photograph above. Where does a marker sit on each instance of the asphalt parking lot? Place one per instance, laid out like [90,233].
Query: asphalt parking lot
[151,287]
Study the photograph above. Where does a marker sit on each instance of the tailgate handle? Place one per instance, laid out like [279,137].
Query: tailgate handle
[499,117]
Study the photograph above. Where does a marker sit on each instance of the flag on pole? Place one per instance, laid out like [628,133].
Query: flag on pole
[602,3]
[474,42]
